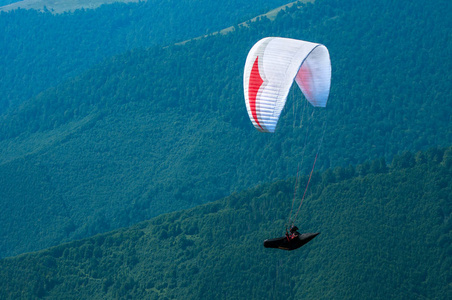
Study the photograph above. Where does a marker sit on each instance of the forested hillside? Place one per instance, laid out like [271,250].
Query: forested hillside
[6,2]
[40,50]
[163,129]
[56,6]
[385,234]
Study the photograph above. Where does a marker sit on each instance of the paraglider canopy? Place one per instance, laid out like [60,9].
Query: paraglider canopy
[272,65]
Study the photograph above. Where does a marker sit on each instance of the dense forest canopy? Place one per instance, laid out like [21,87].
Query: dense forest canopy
[385,234]
[6,2]
[40,49]
[154,130]
[56,6]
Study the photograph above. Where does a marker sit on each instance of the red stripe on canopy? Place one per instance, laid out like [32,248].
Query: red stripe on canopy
[253,88]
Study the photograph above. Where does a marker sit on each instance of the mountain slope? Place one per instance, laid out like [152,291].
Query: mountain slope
[40,50]
[384,235]
[157,130]
[58,6]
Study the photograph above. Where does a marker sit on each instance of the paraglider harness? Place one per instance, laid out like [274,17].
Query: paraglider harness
[291,241]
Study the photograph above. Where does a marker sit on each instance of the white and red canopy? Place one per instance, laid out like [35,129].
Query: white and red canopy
[272,65]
